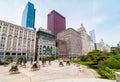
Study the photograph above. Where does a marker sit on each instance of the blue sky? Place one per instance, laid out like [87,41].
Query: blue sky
[101,15]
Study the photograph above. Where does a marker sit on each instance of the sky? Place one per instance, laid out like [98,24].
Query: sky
[101,15]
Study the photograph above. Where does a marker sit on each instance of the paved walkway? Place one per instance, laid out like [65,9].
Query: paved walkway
[81,80]
[51,73]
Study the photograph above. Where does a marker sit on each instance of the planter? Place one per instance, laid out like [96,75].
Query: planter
[67,63]
[35,67]
[61,64]
[14,70]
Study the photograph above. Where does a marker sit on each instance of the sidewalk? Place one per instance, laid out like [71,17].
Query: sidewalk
[51,73]
[82,80]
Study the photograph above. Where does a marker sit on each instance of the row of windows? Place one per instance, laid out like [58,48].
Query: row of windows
[2,43]
[15,37]
[11,29]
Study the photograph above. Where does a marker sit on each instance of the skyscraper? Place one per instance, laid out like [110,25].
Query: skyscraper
[118,45]
[93,38]
[56,22]
[28,16]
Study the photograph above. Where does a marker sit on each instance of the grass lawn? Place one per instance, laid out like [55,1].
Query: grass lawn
[116,70]
[91,65]
[82,62]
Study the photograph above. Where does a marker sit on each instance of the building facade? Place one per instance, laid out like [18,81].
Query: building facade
[45,43]
[86,42]
[93,38]
[28,16]
[103,47]
[62,47]
[118,45]
[16,41]
[56,22]
[78,42]
[72,38]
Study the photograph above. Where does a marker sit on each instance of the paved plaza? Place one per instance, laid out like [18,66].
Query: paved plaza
[51,73]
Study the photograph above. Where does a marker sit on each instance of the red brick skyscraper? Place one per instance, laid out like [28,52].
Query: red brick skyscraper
[56,22]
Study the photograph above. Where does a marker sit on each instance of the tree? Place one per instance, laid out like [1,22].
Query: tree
[31,60]
[20,60]
[115,50]
[83,57]
[113,63]
[96,56]
[24,61]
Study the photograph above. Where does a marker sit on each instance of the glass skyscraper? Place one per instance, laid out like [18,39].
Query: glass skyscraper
[28,16]
[93,38]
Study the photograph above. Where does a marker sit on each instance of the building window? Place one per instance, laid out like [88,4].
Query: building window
[1,53]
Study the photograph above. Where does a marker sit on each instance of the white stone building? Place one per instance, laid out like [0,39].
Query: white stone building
[78,42]
[103,47]
[86,42]
[72,38]
[16,41]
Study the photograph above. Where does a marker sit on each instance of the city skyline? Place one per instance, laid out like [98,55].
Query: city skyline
[103,17]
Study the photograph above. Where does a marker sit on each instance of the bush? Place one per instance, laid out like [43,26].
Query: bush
[102,64]
[113,63]
[83,57]
[117,57]
[106,72]
[52,57]
[96,56]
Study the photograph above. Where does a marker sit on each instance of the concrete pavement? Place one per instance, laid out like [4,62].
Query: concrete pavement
[51,73]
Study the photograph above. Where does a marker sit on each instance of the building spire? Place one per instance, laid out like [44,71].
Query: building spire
[81,25]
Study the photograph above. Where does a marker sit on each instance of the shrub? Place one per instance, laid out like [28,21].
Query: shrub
[106,72]
[83,57]
[102,64]
[117,57]
[96,56]
[113,63]
[52,57]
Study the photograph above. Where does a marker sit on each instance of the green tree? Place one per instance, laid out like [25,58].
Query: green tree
[24,61]
[20,60]
[115,50]
[83,57]
[113,63]
[96,56]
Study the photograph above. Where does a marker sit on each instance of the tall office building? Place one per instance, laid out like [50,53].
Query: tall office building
[28,16]
[56,22]
[118,45]
[93,38]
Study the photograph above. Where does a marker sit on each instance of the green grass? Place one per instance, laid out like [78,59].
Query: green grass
[116,70]
[82,62]
[91,65]
[86,63]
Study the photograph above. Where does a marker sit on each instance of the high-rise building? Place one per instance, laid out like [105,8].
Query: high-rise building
[118,45]
[56,22]
[28,16]
[93,38]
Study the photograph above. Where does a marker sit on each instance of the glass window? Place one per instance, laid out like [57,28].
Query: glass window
[1,53]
